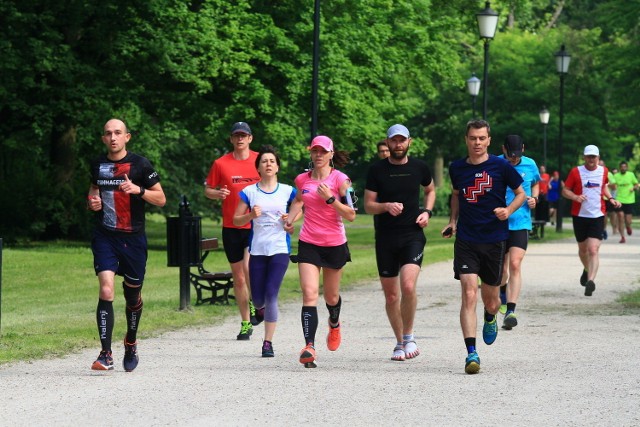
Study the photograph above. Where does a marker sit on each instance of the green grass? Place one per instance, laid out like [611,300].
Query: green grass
[50,292]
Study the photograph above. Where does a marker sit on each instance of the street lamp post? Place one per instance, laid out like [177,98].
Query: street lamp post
[487,24]
[562,65]
[473,86]
[315,71]
[544,119]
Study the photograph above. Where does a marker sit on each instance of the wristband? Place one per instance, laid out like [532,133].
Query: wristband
[330,200]
[142,191]
[429,212]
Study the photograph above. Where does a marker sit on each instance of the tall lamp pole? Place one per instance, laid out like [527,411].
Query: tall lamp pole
[316,67]
[544,119]
[562,65]
[473,86]
[487,24]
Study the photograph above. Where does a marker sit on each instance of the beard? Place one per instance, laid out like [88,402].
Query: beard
[399,155]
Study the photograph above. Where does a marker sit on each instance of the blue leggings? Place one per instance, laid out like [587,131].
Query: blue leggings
[265,275]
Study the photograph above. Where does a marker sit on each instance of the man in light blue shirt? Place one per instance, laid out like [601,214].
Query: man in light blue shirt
[519,227]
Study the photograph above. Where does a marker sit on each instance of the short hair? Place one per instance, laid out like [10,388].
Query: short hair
[478,124]
[264,150]
[381,143]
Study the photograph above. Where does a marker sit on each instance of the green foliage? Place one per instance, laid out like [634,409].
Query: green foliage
[180,73]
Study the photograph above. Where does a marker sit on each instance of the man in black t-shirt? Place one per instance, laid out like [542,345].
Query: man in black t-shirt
[392,194]
[121,184]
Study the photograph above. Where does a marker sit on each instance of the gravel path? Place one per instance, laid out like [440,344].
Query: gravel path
[572,360]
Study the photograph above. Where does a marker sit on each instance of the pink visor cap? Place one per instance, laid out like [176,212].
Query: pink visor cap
[322,141]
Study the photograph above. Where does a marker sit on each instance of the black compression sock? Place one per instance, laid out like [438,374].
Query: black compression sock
[334,312]
[105,320]
[309,317]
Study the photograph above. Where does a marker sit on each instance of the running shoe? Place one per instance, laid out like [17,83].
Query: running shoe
[589,288]
[510,321]
[130,361]
[252,313]
[605,235]
[258,317]
[490,331]
[334,337]
[245,331]
[308,356]
[267,349]
[104,362]
[584,277]
[629,230]
[472,364]
[503,303]
[622,240]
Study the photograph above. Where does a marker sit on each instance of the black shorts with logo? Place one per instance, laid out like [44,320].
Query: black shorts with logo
[483,259]
[395,250]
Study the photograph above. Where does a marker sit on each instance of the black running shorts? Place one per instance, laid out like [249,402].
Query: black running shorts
[334,257]
[518,239]
[395,250]
[235,241]
[588,227]
[483,259]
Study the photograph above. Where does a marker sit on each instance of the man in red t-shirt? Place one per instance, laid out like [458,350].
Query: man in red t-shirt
[228,175]
[586,186]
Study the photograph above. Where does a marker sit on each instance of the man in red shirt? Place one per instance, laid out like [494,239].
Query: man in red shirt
[585,187]
[228,175]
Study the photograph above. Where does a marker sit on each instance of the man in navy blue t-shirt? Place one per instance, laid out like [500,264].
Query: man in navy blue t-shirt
[479,214]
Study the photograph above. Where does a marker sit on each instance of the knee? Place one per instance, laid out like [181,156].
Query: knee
[132,295]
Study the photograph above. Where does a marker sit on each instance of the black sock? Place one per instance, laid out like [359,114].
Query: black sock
[334,312]
[503,289]
[105,320]
[309,317]
[488,317]
[511,306]
[470,343]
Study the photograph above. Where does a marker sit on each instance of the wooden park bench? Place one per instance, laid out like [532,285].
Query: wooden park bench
[204,280]
[537,231]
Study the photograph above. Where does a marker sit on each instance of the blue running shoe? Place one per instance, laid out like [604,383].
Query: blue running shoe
[490,331]
[472,364]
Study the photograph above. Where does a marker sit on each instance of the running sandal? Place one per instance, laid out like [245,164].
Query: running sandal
[398,353]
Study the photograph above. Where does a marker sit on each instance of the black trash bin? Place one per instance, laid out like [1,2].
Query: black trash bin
[184,234]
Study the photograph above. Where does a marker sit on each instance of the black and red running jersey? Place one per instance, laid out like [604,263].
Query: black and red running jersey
[122,212]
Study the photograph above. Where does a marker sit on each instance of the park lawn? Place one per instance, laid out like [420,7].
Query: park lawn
[49,290]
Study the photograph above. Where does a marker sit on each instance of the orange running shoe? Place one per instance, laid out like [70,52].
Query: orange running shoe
[308,356]
[334,338]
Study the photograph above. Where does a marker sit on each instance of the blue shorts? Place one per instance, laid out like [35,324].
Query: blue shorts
[124,255]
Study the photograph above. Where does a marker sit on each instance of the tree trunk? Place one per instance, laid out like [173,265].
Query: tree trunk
[438,169]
